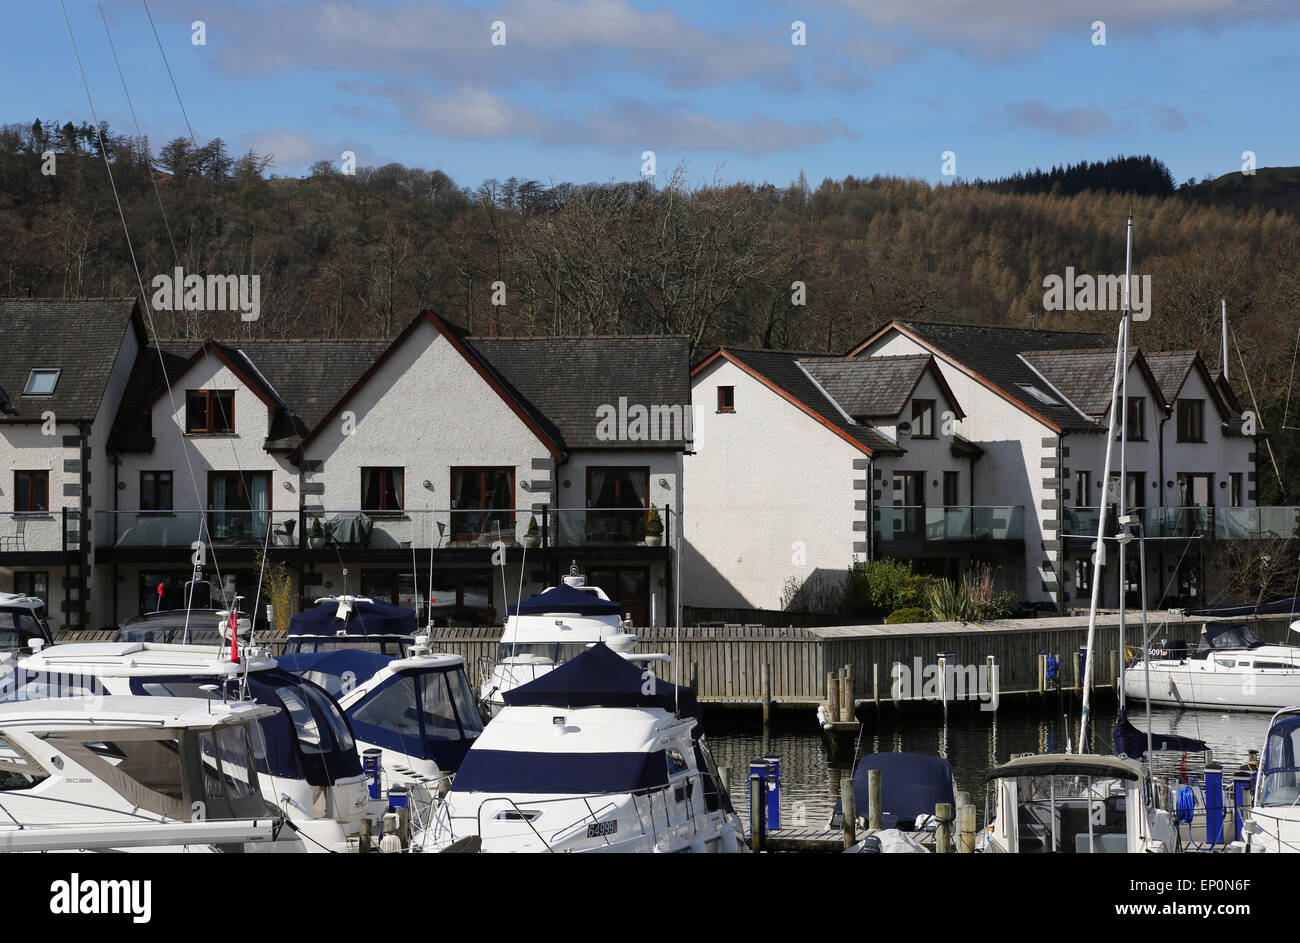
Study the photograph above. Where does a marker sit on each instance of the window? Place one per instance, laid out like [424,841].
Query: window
[951,489]
[1234,489]
[33,583]
[922,419]
[155,491]
[1195,490]
[1082,578]
[1191,420]
[41,383]
[1082,489]
[31,491]
[483,501]
[1136,419]
[239,503]
[617,498]
[1133,494]
[209,412]
[726,399]
[1039,395]
[382,489]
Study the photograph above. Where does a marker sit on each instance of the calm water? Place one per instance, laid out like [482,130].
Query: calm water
[972,741]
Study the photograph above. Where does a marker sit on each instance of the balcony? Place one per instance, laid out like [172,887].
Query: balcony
[135,533]
[1209,523]
[934,526]
[41,536]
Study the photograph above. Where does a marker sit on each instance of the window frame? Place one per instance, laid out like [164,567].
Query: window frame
[36,475]
[27,387]
[211,397]
[400,490]
[729,406]
[461,514]
[1196,407]
[923,412]
[158,475]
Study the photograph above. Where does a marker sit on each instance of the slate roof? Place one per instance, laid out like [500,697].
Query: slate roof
[79,337]
[990,353]
[304,378]
[563,381]
[782,370]
[1085,377]
[1170,368]
[869,387]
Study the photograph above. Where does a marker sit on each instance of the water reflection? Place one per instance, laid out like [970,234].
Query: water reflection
[973,741]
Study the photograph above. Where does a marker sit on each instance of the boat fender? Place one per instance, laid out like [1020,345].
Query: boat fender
[728,839]
[390,842]
[821,715]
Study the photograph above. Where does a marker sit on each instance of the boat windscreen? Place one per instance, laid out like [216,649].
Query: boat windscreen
[1280,782]
[17,629]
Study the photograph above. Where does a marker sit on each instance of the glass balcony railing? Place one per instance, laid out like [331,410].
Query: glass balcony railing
[929,524]
[459,528]
[56,531]
[1263,523]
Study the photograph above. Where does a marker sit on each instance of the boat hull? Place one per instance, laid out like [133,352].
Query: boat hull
[1197,685]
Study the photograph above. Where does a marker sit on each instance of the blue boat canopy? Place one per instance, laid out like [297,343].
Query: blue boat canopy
[366,618]
[1131,741]
[1275,608]
[600,678]
[1225,636]
[336,663]
[911,785]
[564,598]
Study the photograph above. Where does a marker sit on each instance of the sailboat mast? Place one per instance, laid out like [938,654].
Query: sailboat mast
[1123,450]
[1099,548]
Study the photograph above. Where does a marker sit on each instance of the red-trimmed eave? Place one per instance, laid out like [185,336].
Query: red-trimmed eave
[556,452]
[721,352]
[211,347]
[987,384]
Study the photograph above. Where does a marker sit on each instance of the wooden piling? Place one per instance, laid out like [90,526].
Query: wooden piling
[966,828]
[894,685]
[1114,669]
[757,812]
[848,708]
[875,684]
[943,828]
[848,802]
[364,844]
[767,694]
[1042,674]
[875,791]
[832,696]
[404,825]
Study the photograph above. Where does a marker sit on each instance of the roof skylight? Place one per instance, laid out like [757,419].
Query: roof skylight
[41,382]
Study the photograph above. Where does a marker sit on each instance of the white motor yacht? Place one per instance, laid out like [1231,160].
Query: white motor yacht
[307,759]
[595,755]
[134,773]
[547,630]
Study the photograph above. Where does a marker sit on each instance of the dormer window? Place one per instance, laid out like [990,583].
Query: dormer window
[41,382]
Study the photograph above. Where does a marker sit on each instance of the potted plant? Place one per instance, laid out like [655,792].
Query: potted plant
[316,536]
[531,538]
[654,528]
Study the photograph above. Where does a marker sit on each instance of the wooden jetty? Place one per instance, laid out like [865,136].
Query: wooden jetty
[787,668]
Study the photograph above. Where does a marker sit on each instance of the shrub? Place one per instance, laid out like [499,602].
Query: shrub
[653,525]
[815,594]
[951,602]
[878,587]
[911,614]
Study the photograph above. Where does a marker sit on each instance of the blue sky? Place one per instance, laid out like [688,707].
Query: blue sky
[581,88]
